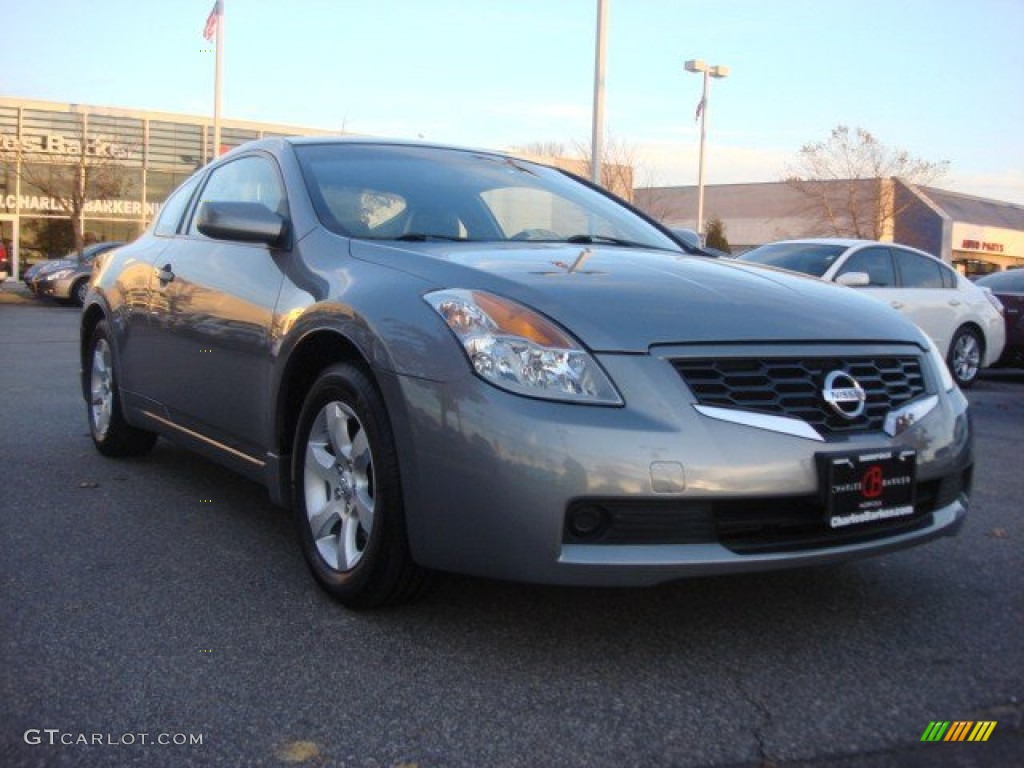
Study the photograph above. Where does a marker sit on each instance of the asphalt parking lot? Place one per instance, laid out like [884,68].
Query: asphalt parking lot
[165,599]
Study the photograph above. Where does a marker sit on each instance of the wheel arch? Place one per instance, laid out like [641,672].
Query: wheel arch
[307,360]
[971,325]
[91,317]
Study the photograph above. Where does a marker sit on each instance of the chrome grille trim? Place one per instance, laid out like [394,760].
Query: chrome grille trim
[791,388]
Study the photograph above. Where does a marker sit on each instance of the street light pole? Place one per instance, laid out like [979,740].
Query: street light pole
[719,71]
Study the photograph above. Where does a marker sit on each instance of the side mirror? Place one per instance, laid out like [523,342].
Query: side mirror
[854,279]
[245,222]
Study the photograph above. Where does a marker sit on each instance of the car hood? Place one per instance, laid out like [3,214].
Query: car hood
[53,265]
[629,299]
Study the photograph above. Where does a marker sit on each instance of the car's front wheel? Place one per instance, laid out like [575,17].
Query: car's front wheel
[111,434]
[79,291]
[965,354]
[348,498]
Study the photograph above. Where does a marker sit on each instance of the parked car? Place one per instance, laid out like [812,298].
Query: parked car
[67,279]
[1008,287]
[454,360]
[966,323]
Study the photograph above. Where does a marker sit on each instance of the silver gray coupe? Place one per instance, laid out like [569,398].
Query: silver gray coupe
[453,360]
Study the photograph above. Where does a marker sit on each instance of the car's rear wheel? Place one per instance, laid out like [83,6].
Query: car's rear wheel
[965,355]
[111,434]
[348,495]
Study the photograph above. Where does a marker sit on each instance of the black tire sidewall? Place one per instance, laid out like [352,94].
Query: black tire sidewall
[78,292]
[348,384]
[121,439]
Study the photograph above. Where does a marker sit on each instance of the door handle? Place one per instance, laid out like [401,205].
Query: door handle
[164,274]
[897,304]
[954,302]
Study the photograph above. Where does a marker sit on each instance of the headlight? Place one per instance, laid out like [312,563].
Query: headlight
[945,377]
[60,274]
[515,348]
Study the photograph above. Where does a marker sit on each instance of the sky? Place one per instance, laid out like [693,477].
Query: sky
[941,79]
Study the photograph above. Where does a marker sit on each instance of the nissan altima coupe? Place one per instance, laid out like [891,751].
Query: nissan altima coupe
[451,360]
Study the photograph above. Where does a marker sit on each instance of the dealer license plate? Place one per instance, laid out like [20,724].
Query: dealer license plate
[867,487]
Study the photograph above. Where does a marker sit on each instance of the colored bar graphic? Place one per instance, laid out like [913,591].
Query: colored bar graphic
[982,730]
[935,731]
[958,730]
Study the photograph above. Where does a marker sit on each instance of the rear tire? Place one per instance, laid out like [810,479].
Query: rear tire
[111,434]
[965,356]
[348,503]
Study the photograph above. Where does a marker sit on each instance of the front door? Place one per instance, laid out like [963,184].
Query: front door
[219,298]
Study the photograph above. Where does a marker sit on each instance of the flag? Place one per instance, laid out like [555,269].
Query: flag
[700,109]
[211,21]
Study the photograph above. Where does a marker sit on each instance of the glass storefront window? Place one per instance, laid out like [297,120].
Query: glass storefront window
[175,145]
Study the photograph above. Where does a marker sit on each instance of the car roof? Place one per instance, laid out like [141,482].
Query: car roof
[297,141]
[850,242]
[843,241]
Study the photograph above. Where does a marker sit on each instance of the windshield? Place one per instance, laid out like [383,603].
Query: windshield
[393,192]
[809,258]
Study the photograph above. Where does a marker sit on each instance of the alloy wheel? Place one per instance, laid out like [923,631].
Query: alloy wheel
[101,388]
[339,486]
[966,357]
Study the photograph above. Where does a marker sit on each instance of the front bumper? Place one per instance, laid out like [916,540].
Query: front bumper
[54,289]
[489,479]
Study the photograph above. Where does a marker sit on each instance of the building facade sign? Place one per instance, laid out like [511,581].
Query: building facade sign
[54,144]
[989,241]
[44,205]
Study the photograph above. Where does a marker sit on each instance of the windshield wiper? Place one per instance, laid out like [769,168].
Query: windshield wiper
[591,239]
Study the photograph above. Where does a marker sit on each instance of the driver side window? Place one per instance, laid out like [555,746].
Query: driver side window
[252,179]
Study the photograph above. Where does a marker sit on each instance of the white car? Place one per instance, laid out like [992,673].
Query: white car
[965,321]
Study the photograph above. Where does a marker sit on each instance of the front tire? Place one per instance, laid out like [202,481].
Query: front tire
[348,496]
[111,434]
[79,291]
[965,355]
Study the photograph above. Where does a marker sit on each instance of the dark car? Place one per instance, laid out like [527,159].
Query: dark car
[1008,287]
[67,279]
[454,360]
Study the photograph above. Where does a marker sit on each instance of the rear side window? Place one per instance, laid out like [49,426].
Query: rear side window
[917,271]
[877,262]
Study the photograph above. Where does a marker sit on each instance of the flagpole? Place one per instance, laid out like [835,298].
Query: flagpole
[597,123]
[217,79]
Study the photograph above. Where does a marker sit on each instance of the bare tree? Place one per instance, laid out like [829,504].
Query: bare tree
[618,165]
[846,182]
[71,171]
[543,149]
[618,161]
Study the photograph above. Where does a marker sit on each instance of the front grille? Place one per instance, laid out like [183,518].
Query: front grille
[793,387]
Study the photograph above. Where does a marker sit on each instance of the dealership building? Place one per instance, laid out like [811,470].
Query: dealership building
[142,156]
[975,234]
[147,154]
